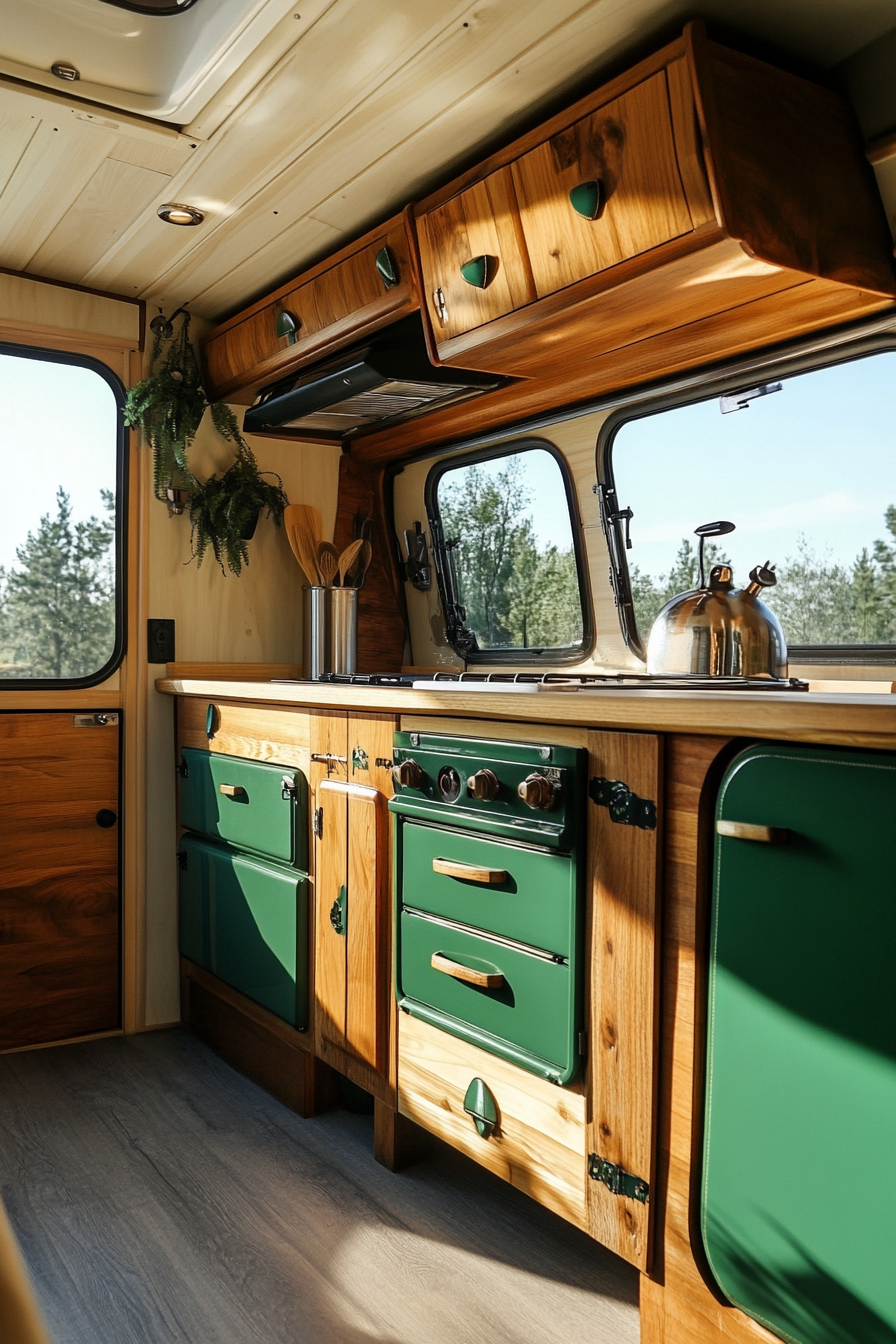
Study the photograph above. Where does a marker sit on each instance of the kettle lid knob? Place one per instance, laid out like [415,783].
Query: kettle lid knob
[764,575]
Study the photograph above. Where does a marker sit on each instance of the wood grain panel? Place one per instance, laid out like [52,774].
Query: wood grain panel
[330,956]
[626,146]
[481,221]
[259,733]
[368,981]
[382,622]
[59,901]
[540,1143]
[623,864]
[688,147]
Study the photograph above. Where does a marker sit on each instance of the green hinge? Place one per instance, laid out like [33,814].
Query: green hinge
[338,912]
[585,199]
[624,807]
[287,325]
[480,1106]
[617,1180]
[479,271]
[388,271]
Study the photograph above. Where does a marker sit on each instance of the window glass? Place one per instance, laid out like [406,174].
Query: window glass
[59,457]
[509,541]
[808,475]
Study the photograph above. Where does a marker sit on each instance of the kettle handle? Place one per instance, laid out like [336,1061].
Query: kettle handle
[717,529]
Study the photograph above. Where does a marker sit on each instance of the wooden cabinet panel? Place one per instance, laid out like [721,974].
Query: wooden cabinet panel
[331,901]
[627,147]
[342,300]
[623,875]
[59,899]
[540,1141]
[482,221]
[369,970]
[260,734]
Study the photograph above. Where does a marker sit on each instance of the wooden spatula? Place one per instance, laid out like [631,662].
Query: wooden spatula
[355,576]
[327,562]
[348,558]
[302,526]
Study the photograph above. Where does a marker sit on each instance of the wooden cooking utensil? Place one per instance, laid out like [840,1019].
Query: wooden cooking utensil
[300,524]
[327,562]
[348,558]
[355,576]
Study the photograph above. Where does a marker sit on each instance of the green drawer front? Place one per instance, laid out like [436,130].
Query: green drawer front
[263,816]
[798,1214]
[536,905]
[531,1019]
[247,922]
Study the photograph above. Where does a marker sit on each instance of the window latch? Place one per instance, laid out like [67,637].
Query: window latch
[740,401]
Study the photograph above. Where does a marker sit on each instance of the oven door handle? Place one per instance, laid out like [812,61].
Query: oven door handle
[482,979]
[469,872]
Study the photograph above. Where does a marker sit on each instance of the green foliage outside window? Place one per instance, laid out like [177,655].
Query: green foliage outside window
[817,600]
[57,606]
[518,592]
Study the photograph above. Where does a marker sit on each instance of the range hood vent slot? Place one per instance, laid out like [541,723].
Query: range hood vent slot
[382,381]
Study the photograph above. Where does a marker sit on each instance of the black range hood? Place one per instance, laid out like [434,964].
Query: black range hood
[379,382]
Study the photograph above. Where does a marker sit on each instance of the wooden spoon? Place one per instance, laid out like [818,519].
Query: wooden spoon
[348,558]
[327,562]
[355,577]
[303,529]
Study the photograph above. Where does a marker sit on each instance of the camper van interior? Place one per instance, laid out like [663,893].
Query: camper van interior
[447,672]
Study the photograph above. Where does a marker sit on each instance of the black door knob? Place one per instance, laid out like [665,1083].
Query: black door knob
[106,818]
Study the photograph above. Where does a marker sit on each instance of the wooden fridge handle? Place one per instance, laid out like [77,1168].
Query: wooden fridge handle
[469,872]
[232,790]
[483,979]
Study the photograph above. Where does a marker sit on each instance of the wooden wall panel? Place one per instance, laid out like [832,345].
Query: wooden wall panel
[59,899]
[381,615]
[623,955]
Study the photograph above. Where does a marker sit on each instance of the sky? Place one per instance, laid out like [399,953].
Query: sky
[817,458]
[59,428]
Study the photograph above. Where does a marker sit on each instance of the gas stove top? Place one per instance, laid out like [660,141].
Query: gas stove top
[558,681]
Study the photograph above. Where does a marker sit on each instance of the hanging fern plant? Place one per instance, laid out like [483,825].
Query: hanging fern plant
[167,408]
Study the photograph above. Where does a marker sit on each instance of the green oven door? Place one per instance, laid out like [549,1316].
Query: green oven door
[798,1206]
[246,921]
[246,803]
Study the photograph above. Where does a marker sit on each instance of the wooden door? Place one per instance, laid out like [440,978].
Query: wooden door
[628,148]
[59,876]
[623,866]
[481,221]
[327,778]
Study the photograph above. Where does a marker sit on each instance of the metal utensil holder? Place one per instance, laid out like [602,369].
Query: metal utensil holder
[343,630]
[316,632]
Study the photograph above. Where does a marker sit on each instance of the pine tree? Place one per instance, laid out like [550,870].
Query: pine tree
[57,605]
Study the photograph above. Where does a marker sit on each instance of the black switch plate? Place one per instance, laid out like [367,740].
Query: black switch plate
[160,639]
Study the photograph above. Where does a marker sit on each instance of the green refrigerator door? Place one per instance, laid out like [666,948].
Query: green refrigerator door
[246,803]
[799,1174]
[256,933]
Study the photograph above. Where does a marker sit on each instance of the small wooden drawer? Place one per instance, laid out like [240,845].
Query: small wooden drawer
[540,1142]
[280,736]
[481,222]
[330,306]
[627,149]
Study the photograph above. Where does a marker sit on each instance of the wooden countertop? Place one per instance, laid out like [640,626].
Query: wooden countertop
[855,720]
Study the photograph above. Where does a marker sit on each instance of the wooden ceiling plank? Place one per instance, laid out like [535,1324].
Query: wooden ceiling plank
[16,134]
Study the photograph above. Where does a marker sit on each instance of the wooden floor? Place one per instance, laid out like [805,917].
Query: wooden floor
[158,1196]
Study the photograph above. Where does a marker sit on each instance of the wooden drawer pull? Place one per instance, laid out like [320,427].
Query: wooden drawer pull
[745,830]
[232,791]
[468,872]
[483,979]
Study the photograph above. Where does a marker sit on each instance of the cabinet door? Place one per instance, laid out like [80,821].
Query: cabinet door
[627,148]
[59,903]
[480,222]
[797,1216]
[623,870]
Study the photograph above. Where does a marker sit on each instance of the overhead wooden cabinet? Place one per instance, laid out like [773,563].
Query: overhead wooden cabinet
[347,297]
[653,215]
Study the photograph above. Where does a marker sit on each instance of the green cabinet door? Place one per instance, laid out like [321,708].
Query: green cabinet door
[246,803]
[246,921]
[799,1173]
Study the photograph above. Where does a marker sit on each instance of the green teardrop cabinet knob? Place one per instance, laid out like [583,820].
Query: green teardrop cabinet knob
[388,270]
[287,325]
[479,271]
[585,199]
[482,1108]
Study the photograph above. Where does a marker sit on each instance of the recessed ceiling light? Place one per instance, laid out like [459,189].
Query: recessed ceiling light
[172,213]
[153,6]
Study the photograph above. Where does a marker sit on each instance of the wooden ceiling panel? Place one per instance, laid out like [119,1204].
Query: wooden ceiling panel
[16,134]
[96,217]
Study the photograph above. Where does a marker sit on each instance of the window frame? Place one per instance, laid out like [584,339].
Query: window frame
[50,355]
[510,448]
[847,350]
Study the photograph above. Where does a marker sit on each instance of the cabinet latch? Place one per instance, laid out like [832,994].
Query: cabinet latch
[288,788]
[617,1180]
[183,768]
[182,859]
[624,806]
[317,822]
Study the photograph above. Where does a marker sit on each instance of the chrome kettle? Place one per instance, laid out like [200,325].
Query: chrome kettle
[714,631]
